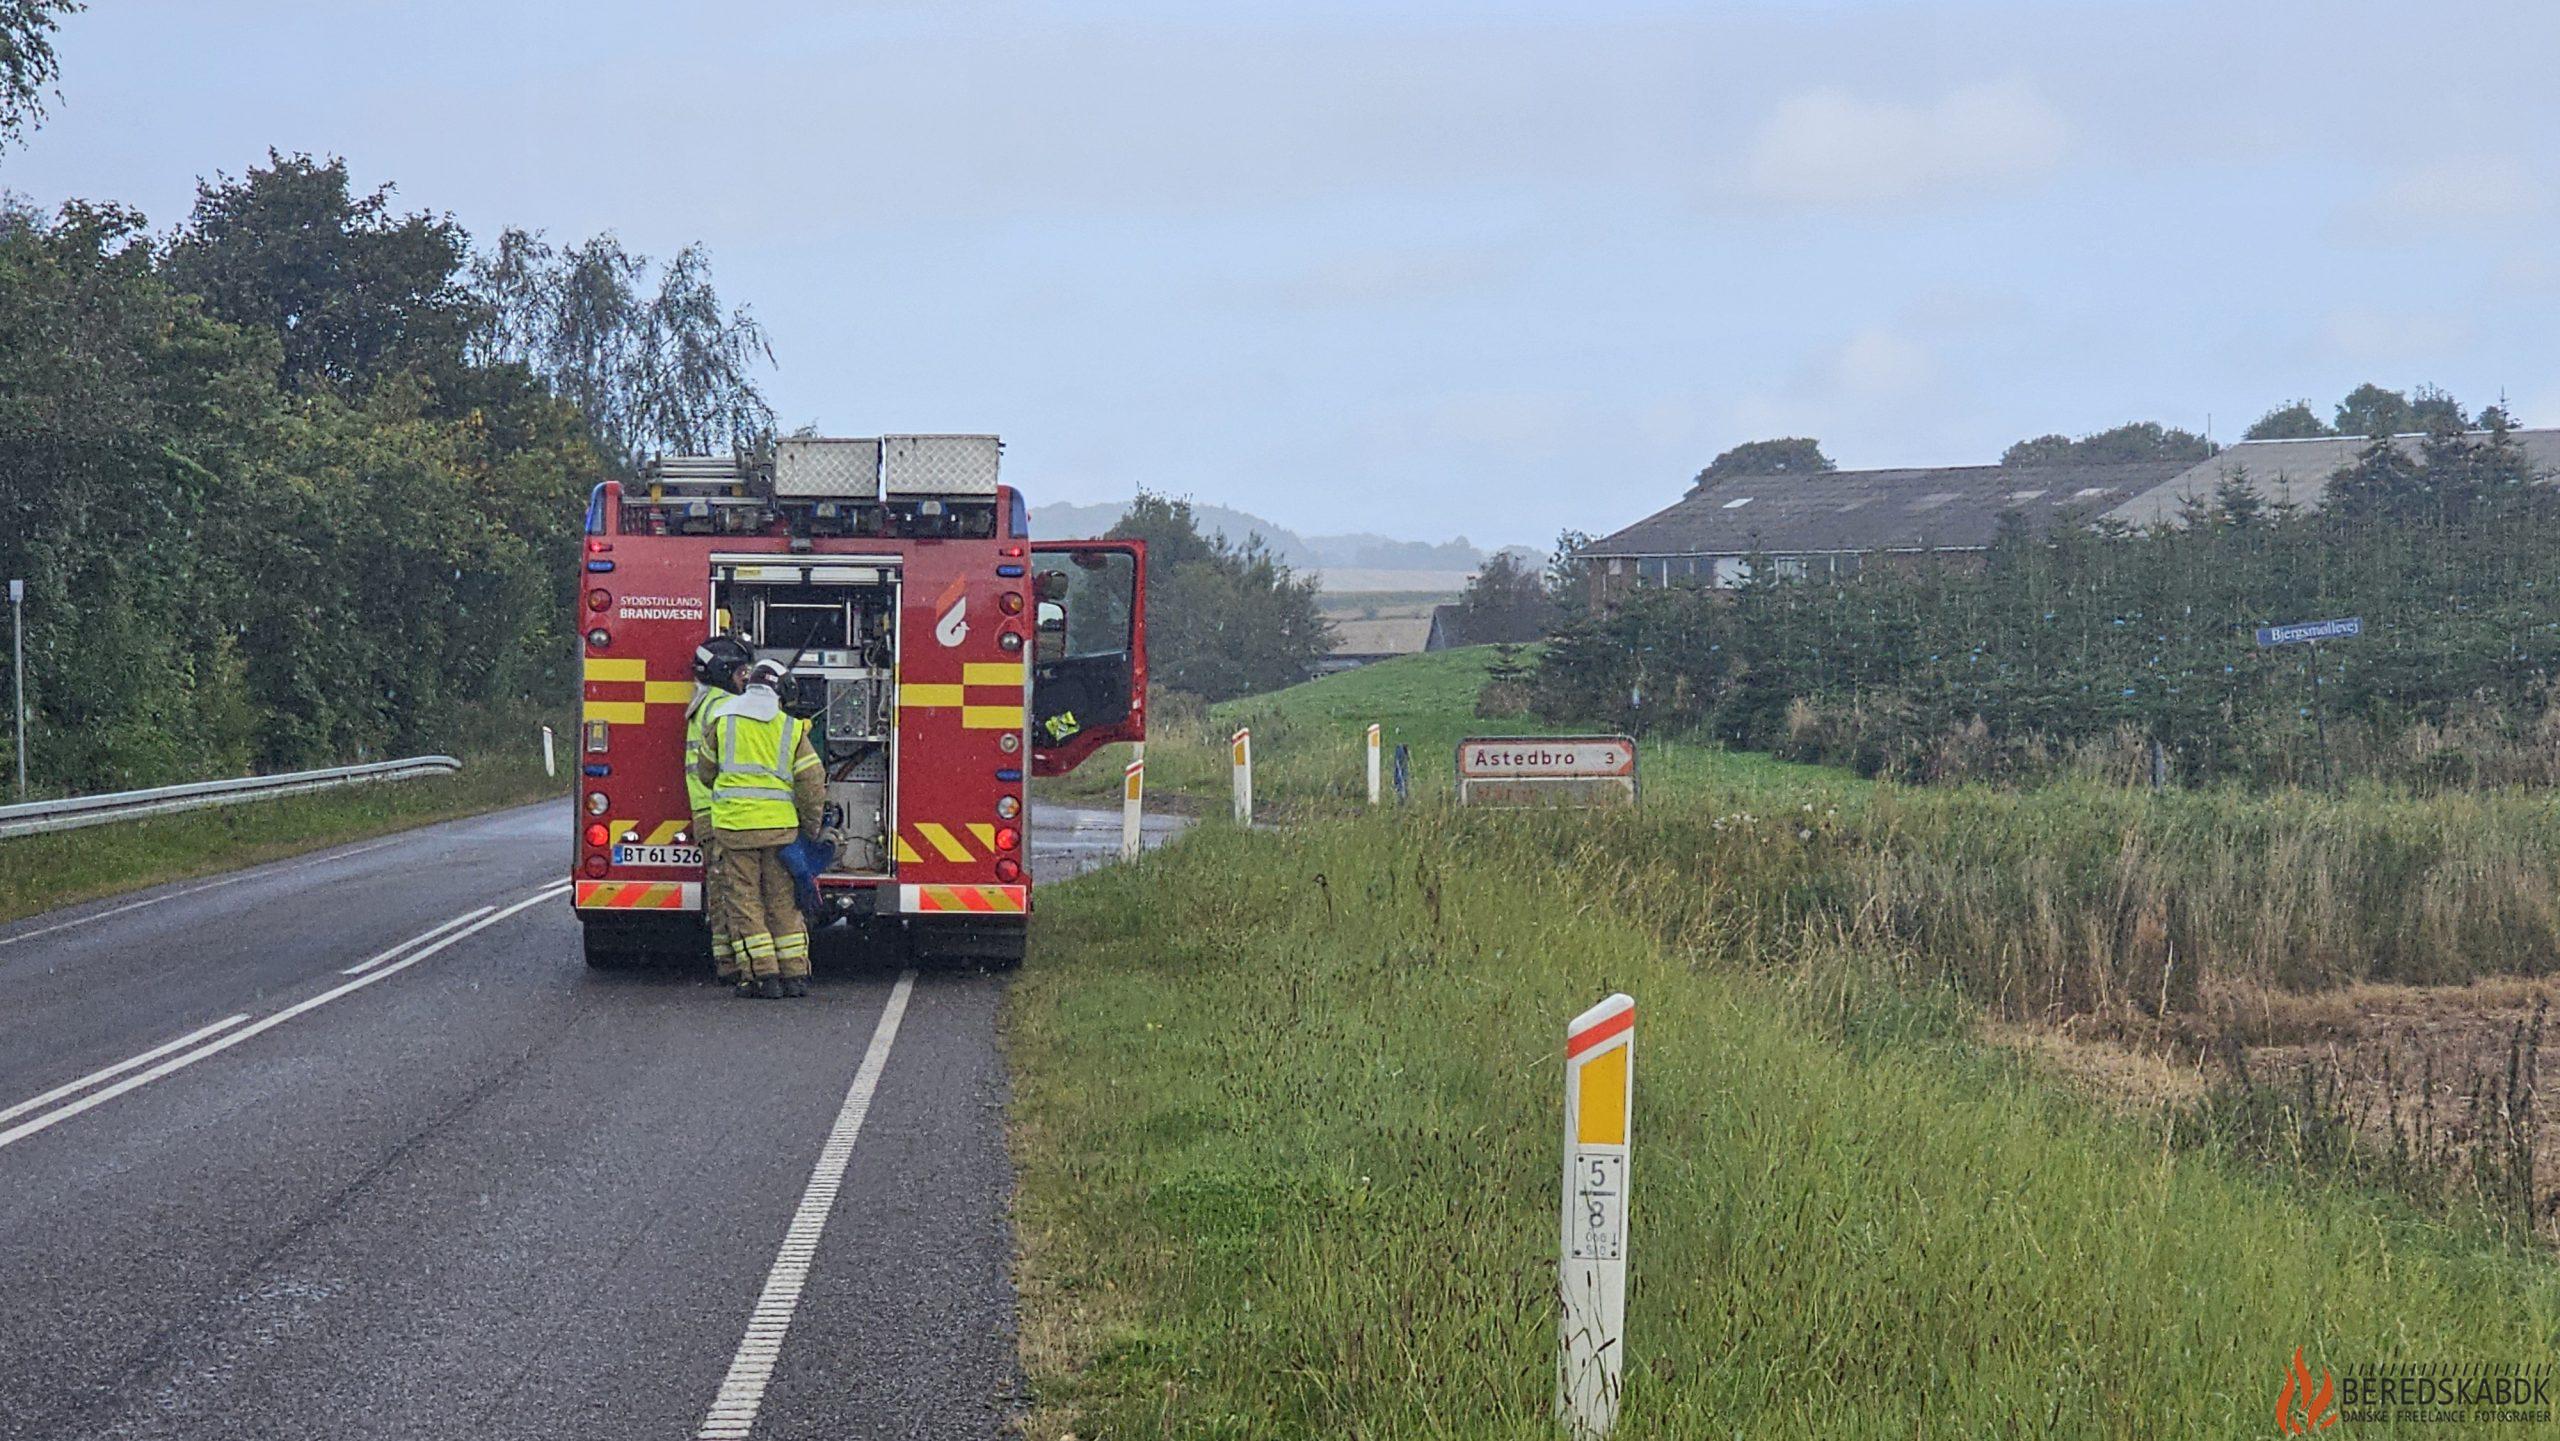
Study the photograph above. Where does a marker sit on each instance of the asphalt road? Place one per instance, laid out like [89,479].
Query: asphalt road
[474,1190]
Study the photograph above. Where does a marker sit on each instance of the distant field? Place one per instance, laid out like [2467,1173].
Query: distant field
[1382,604]
[1356,579]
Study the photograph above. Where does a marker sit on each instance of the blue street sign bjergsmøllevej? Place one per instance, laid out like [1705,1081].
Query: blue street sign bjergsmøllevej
[2310,630]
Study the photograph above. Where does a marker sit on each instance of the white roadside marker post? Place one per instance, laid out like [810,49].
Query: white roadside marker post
[1599,1102]
[1241,751]
[1133,786]
[1373,763]
[549,766]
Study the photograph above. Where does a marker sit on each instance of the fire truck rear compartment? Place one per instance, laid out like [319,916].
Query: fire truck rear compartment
[835,626]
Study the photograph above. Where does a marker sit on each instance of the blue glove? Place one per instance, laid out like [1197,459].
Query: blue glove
[807,860]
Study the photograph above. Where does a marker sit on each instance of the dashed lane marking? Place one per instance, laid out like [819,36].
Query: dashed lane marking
[360,967]
[733,1411]
[118,1069]
[223,1043]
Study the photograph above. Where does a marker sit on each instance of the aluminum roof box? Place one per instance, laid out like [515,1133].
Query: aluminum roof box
[922,467]
[825,467]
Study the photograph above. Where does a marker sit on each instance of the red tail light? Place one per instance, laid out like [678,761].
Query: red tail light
[597,835]
[1007,838]
[595,865]
[1008,870]
[599,599]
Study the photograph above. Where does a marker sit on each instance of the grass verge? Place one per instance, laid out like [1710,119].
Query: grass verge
[1286,1122]
[1308,743]
[41,872]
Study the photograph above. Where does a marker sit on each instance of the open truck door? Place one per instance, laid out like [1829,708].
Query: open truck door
[1089,650]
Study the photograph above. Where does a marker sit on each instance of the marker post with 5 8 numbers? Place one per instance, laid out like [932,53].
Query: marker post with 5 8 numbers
[1599,1103]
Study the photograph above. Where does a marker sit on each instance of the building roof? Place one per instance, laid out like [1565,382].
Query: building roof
[2292,472]
[1389,635]
[1950,508]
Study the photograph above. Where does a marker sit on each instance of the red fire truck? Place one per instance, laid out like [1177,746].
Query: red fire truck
[941,656]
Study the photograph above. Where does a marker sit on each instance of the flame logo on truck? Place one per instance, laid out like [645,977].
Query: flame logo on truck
[953,627]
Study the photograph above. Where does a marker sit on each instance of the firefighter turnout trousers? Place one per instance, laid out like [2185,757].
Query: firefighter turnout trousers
[767,935]
[715,911]
[698,715]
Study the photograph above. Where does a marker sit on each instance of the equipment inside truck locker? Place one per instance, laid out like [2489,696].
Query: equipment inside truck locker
[940,656]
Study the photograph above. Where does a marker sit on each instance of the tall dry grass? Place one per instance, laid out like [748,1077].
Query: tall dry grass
[2090,899]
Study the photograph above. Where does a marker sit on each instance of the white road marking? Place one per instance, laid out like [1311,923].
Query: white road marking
[230,880]
[360,967]
[119,1068]
[733,1411]
[220,1044]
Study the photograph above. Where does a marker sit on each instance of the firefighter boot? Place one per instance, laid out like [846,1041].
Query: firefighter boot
[770,988]
[755,954]
[791,951]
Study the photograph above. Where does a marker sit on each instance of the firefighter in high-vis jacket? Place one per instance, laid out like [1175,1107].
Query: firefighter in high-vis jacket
[719,673]
[768,788]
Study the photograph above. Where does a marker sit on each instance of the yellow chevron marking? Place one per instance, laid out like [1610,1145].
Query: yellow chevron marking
[916,696]
[944,841]
[616,668]
[654,894]
[991,717]
[619,712]
[985,833]
[907,854]
[991,672]
[664,832]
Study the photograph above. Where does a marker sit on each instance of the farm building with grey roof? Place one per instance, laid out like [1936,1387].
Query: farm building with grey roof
[1836,523]
[2293,473]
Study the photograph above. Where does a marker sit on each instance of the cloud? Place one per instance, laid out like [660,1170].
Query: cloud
[2390,337]
[1484,422]
[1377,276]
[1830,148]
[2465,193]
[1880,381]
[1878,364]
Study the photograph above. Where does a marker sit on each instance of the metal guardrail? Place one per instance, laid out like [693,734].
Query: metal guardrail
[63,815]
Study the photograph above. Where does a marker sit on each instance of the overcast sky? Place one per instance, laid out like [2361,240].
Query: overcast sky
[1438,269]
